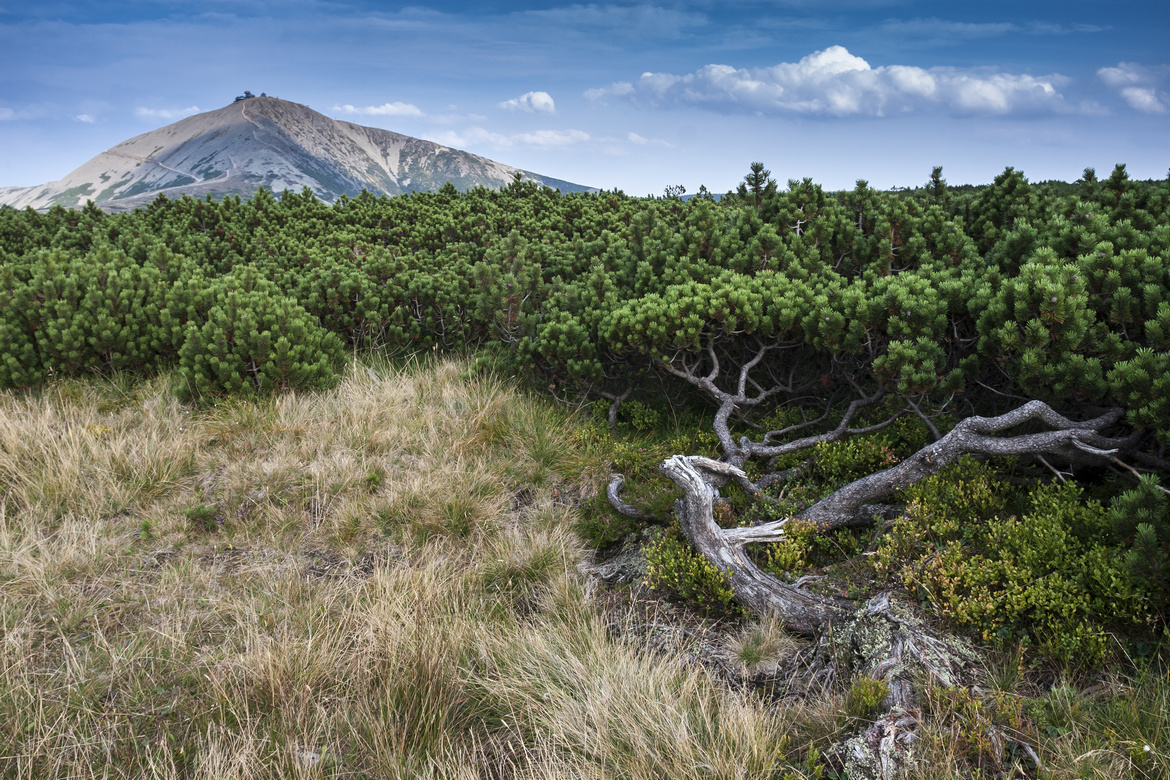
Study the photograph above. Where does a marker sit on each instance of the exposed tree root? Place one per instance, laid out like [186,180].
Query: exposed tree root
[887,641]
[613,493]
[880,639]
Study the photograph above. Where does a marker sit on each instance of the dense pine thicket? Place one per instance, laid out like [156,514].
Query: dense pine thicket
[1049,291]
[947,302]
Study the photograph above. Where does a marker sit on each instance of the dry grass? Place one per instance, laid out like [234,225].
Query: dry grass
[374,581]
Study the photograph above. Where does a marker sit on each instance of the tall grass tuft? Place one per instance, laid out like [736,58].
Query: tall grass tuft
[228,592]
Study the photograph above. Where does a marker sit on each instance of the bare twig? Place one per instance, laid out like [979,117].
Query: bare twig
[1135,472]
[613,493]
[616,406]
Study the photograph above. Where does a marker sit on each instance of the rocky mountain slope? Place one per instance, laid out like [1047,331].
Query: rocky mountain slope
[265,141]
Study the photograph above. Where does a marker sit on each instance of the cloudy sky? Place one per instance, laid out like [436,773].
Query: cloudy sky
[634,96]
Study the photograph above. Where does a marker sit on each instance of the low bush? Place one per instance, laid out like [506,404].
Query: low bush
[805,547]
[864,697]
[673,566]
[254,343]
[1038,566]
[849,459]
[1141,520]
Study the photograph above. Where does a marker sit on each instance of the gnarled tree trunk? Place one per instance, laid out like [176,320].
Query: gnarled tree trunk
[885,639]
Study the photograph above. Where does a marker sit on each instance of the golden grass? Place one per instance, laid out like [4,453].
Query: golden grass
[374,581]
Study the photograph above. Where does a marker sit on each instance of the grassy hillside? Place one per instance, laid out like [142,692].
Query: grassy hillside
[382,580]
[376,581]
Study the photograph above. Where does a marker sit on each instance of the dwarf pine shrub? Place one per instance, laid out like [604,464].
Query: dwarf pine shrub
[72,316]
[1141,519]
[255,343]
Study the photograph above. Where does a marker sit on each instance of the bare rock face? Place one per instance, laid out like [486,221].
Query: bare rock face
[265,141]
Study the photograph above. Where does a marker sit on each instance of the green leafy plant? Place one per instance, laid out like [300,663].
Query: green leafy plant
[865,696]
[673,566]
[1047,576]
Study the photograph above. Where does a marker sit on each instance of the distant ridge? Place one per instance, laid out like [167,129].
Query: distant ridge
[265,141]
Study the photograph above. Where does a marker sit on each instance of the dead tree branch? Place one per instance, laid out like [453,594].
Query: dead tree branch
[975,436]
[760,592]
[615,407]
[883,638]
[613,492]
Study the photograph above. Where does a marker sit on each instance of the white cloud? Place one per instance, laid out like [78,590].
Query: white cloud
[541,138]
[540,102]
[165,113]
[1138,86]
[27,112]
[1144,99]
[617,89]
[396,108]
[834,82]
[472,136]
[634,138]
[552,138]
[89,120]
[1125,74]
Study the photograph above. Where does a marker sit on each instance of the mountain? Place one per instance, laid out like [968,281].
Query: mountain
[265,141]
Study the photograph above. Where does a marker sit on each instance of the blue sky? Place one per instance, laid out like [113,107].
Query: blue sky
[635,96]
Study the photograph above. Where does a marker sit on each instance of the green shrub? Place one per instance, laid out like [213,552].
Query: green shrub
[203,518]
[804,546]
[20,363]
[1141,520]
[600,526]
[375,479]
[695,441]
[93,314]
[907,435]
[638,416]
[849,459]
[1047,575]
[673,566]
[255,343]
[864,697]
[795,552]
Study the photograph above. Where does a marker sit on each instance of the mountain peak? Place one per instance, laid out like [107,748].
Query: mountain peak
[263,141]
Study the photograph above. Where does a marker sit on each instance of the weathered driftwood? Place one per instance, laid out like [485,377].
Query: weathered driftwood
[972,436]
[854,504]
[883,639]
[800,611]
[613,493]
[879,639]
